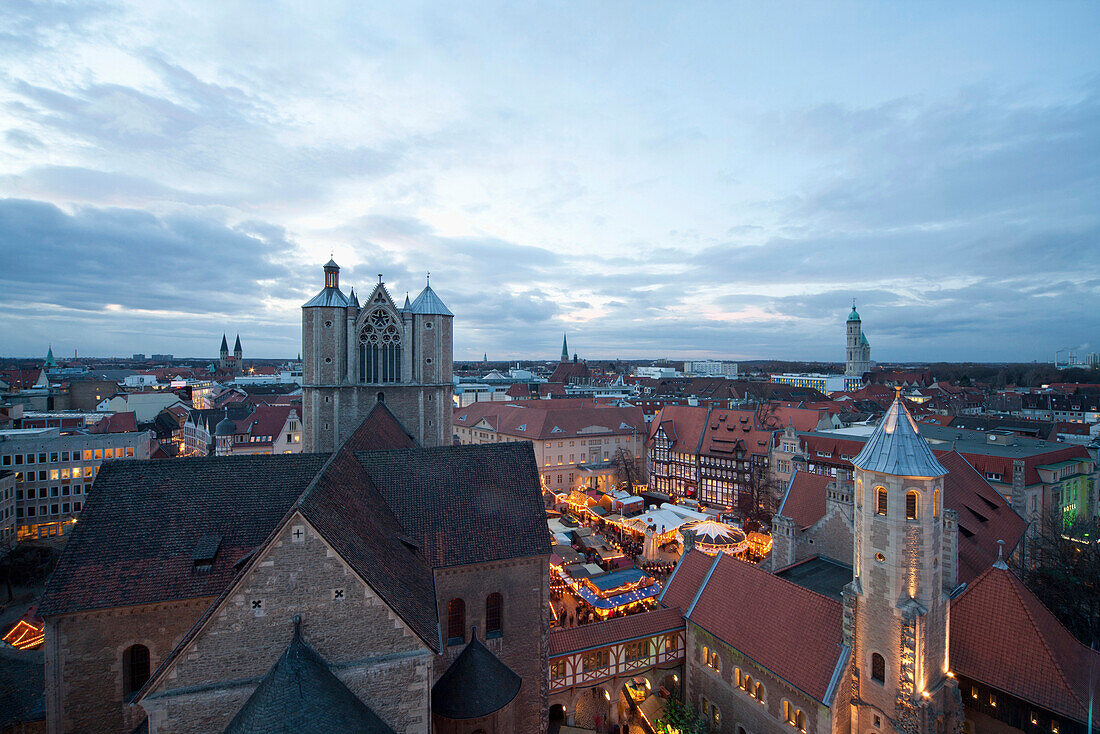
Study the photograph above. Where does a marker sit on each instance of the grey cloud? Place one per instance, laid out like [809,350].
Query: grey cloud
[23,140]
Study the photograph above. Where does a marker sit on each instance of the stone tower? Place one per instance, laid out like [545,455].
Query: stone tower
[896,604]
[858,353]
[356,355]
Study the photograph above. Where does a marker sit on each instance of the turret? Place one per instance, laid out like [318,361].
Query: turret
[898,594]
[237,352]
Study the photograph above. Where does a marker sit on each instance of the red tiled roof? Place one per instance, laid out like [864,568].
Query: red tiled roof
[116,423]
[686,579]
[1003,464]
[689,421]
[805,499]
[266,421]
[997,620]
[803,419]
[620,629]
[566,371]
[792,631]
[727,431]
[984,516]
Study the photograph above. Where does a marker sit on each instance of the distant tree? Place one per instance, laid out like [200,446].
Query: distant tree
[626,468]
[1062,568]
[758,500]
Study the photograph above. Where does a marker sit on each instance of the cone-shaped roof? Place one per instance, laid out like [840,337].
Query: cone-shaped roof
[429,303]
[896,447]
[564,349]
[225,344]
[477,684]
[237,346]
[301,694]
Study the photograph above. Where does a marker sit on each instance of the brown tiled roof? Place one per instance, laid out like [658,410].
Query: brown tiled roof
[138,530]
[805,499]
[686,579]
[570,371]
[542,420]
[620,629]
[792,631]
[984,516]
[464,504]
[380,430]
[998,620]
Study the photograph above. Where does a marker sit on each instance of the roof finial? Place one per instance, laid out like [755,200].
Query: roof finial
[428,279]
[297,626]
[853,304]
[1000,562]
[380,279]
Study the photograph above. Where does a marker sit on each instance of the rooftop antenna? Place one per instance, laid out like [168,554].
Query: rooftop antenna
[429,278]
[1000,562]
[380,278]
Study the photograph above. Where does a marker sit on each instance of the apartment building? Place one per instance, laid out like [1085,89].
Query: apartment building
[7,505]
[575,440]
[54,469]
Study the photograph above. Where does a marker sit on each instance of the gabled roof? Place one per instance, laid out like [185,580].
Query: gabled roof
[125,422]
[476,684]
[804,501]
[896,447]
[686,578]
[611,631]
[301,695]
[726,432]
[690,423]
[792,631]
[997,620]
[984,516]
[429,303]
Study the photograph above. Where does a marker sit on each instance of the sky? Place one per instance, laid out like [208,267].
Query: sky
[681,180]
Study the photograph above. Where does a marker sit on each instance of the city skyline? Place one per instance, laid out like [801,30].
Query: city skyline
[687,182]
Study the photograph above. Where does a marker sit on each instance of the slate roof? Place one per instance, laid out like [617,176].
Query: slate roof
[792,631]
[301,695]
[804,501]
[464,504]
[1049,667]
[134,542]
[428,303]
[380,430]
[611,631]
[476,684]
[896,447]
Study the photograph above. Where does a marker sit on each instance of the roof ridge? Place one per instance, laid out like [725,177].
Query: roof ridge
[792,584]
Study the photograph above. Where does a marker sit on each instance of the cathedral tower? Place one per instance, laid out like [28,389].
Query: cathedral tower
[896,605]
[354,356]
[858,352]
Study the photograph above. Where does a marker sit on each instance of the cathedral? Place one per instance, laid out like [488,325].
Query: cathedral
[356,355]
[858,353]
[231,363]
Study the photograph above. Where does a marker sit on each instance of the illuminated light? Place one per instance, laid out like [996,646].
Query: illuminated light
[607,695]
[949,674]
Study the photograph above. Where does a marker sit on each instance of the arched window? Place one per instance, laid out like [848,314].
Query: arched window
[859,493]
[800,720]
[936,503]
[738,679]
[380,348]
[493,626]
[760,693]
[456,622]
[878,668]
[912,498]
[706,655]
[135,669]
[880,500]
[788,712]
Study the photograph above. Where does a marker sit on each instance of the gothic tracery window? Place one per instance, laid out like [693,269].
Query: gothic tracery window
[380,348]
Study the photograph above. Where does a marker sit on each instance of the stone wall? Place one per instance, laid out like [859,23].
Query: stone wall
[524,643]
[738,710]
[366,645]
[84,684]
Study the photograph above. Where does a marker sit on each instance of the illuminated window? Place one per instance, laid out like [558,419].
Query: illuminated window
[557,669]
[911,499]
[880,500]
[493,627]
[936,503]
[859,493]
[878,668]
[135,669]
[738,678]
[760,694]
[993,700]
[800,721]
[456,622]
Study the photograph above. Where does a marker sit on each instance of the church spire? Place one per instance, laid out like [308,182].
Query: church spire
[564,349]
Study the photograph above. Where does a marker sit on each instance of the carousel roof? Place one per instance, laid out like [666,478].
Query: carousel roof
[712,532]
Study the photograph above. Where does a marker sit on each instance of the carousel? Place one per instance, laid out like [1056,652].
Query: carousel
[713,537]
